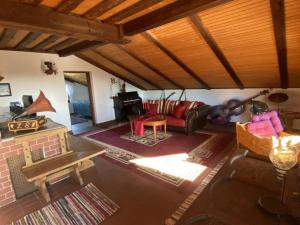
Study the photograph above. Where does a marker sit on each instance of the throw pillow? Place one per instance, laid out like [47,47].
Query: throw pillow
[152,109]
[179,111]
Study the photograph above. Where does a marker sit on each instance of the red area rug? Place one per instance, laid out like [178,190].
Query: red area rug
[177,160]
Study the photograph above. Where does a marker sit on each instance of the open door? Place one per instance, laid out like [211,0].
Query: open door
[80,101]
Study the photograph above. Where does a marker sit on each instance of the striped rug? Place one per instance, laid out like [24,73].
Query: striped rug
[87,206]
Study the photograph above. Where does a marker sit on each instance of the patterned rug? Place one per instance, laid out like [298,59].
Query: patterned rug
[179,160]
[87,206]
[148,138]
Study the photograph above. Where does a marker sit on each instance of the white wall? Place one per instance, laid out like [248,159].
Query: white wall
[23,71]
[219,96]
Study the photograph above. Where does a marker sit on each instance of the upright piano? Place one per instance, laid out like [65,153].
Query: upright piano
[127,103]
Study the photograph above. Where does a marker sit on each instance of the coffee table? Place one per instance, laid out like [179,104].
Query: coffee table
[152,121]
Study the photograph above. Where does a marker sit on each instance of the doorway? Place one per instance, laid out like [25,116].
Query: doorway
[80,101]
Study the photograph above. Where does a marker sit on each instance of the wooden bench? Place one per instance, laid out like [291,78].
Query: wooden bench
[39,172]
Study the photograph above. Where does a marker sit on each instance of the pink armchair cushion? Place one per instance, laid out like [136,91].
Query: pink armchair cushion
[271,116]
[262,128]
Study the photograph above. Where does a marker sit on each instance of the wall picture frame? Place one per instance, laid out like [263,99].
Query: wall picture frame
[5,90]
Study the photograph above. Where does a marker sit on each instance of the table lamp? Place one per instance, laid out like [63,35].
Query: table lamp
[284,157]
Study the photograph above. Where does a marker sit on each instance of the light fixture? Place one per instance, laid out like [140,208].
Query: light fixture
[284,156]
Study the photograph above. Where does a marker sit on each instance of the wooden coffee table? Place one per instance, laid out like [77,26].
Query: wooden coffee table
[154,122]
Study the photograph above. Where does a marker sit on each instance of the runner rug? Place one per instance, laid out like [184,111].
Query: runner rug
[177,161]
[87,206]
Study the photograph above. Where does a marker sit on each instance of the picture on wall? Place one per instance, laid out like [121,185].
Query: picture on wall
[5,89]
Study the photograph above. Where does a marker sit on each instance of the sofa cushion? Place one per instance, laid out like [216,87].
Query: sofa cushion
[170,107]
[176,122]
[152,109]
[159,105]
[189,105]
[179,111]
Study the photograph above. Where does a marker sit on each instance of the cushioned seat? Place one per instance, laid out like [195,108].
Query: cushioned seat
[175,122]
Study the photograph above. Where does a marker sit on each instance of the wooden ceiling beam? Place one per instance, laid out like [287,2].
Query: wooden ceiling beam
[146,64]
[67,6]
[169,13]
[108,70]
[32,2]
[44,20]
[150,37]
[129,70]
[61,45]
[102,8]
[27,40]
[85,45]
[215,48]
[48,41]
[278,17]
[6,36]
[79,47]
[131,10]
[25,50]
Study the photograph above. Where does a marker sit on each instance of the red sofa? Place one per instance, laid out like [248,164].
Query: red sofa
[192,117]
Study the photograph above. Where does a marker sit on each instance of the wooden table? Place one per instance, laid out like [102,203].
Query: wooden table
[72,160]
[153,121]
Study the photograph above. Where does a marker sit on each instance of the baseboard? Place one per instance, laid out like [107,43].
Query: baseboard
[106,124]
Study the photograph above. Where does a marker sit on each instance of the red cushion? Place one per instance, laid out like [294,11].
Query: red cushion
[152,109]
[173,121]
[179,111]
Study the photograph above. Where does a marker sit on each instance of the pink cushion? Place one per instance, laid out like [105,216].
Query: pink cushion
[262,128]
[273,117]
[173,121]
[179,111]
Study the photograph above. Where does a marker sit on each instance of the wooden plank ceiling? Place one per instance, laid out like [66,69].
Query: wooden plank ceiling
[166,44]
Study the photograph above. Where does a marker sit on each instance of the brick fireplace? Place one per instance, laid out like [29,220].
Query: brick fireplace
[50,146]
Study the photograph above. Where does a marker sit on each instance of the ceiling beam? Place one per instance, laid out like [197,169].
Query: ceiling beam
[32,2]
[129,70]
[146,64]
[61,45]
[102,8]
[68,5]
[25,50]
[131,10]
[27,40]
[278,17]
[79,47]
[44,20]
[48,41]
[108,70]
[150,37]
[6,36]
[215,48]
[169,13]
